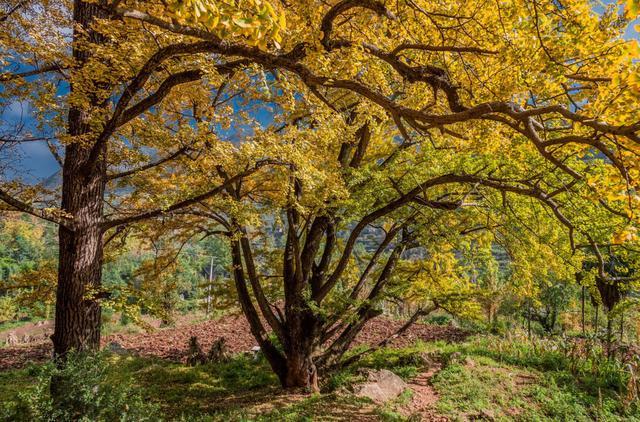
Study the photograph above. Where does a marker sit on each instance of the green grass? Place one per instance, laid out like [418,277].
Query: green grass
[14,382]
[484,377]
[518,380]
[183,391]
[503,392]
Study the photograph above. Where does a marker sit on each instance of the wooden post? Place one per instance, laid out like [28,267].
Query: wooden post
[209,287]
[583,324]
[529,320]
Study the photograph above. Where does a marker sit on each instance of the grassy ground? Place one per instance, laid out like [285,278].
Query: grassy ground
[516,380]
[480,379]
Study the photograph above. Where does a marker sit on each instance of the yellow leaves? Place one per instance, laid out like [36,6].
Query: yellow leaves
[37,285]
[15,227]
[631,8]
[625,235]
[256,20]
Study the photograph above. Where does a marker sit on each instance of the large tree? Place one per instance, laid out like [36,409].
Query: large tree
[402,115]
[397,119]
[107,96]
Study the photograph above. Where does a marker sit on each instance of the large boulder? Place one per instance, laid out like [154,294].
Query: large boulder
[381,386]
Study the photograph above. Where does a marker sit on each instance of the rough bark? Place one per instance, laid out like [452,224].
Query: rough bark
[302,333]
[77,324]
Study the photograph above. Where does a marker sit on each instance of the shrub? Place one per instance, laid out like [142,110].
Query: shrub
[84,393]
[443,319]
[8,308]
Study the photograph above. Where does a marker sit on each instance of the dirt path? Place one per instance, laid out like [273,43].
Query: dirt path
[424,397]
[31,332]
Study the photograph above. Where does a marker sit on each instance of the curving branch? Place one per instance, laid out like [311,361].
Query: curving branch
[524,121]
[137,109]
[54,152]
[441,48]
[291,62]
[26,140]
[53,67]
[276,324]
[148,166]
[187,202]
[124,113]
[4,16]
[410,196]
[327,22]
[47,215]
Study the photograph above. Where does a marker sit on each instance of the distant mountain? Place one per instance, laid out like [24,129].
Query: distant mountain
[53,182]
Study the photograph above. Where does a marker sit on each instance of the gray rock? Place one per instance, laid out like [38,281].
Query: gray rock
[256,352]
[115,347]
[381,386]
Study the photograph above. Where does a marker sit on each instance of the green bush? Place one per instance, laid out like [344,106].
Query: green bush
[443,319]
[84,393]
[8,308]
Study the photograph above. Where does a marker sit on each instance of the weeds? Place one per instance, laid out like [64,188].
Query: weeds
[86,394]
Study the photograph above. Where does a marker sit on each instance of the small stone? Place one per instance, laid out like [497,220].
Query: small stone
[115,347]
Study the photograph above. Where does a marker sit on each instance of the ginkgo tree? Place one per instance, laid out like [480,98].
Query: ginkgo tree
[92,81]
[389,118]
[387,111]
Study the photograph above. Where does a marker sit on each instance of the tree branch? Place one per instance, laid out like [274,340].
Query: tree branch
[148,166]
[54,67]
[40,213]
[187,202]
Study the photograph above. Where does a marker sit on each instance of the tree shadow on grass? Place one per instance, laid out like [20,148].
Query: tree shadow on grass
[240,389]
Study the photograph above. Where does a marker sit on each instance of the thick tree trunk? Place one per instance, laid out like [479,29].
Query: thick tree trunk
[301,370]
[77,323]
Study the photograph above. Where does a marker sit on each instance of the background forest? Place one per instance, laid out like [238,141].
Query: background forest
[178,286]
[162,280]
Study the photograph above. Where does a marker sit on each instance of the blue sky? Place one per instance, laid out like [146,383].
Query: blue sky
[33,161]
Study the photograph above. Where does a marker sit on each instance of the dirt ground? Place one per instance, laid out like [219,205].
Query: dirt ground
[171,343]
